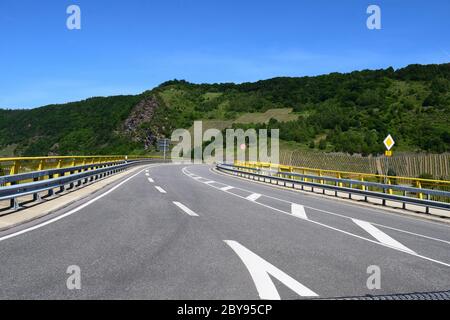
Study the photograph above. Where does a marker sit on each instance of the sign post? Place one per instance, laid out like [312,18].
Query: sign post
[163,144]
[388,143]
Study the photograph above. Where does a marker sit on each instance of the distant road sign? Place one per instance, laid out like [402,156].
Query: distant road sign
[389,142]
[164,143]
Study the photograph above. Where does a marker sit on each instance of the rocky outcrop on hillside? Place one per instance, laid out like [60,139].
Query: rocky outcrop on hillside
[142,113]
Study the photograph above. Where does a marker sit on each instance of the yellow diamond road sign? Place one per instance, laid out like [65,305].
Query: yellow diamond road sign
[389,142]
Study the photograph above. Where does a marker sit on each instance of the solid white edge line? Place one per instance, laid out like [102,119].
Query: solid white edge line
[185,209]
[84,205]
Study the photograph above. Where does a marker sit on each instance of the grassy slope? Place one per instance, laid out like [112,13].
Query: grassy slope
[281,115]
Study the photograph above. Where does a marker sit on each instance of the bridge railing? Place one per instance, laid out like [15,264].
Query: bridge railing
[18,166]
[34,175]
[392,185]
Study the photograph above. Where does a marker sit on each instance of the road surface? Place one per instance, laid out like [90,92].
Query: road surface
[187,232]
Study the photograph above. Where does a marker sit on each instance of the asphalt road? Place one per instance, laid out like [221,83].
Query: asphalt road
[186,232]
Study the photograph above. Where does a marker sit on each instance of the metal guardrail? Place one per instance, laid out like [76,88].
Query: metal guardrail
[337,185]
[17,165]
[51,173]
[19,185]
[377,178]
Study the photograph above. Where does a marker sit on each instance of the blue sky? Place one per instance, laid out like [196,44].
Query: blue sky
[126,47]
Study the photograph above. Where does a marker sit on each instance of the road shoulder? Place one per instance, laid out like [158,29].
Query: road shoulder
[35,210]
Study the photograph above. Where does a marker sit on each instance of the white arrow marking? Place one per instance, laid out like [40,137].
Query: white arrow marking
[160,189]
[253,197]
[298,211]
[151,180]
[185,209]
[226,188]
[381,236]
[260,270]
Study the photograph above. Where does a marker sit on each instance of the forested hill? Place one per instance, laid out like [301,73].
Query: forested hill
[350,112]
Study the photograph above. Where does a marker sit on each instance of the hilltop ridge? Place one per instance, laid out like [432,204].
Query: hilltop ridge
[350,112]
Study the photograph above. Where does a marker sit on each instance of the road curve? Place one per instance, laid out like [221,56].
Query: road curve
[188,232]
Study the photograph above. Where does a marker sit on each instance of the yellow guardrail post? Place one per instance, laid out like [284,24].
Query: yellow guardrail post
[40,167]
[363,187]
[340,184]
[58,166]
[321,181]
[389,190]
[73,163]
[15,169]
[419,185]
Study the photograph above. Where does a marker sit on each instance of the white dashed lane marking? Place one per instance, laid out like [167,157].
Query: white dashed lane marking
[160,189]
[185,209]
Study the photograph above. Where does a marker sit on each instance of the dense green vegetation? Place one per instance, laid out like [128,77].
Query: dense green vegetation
[337,112]
[88,126]
[348,112]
